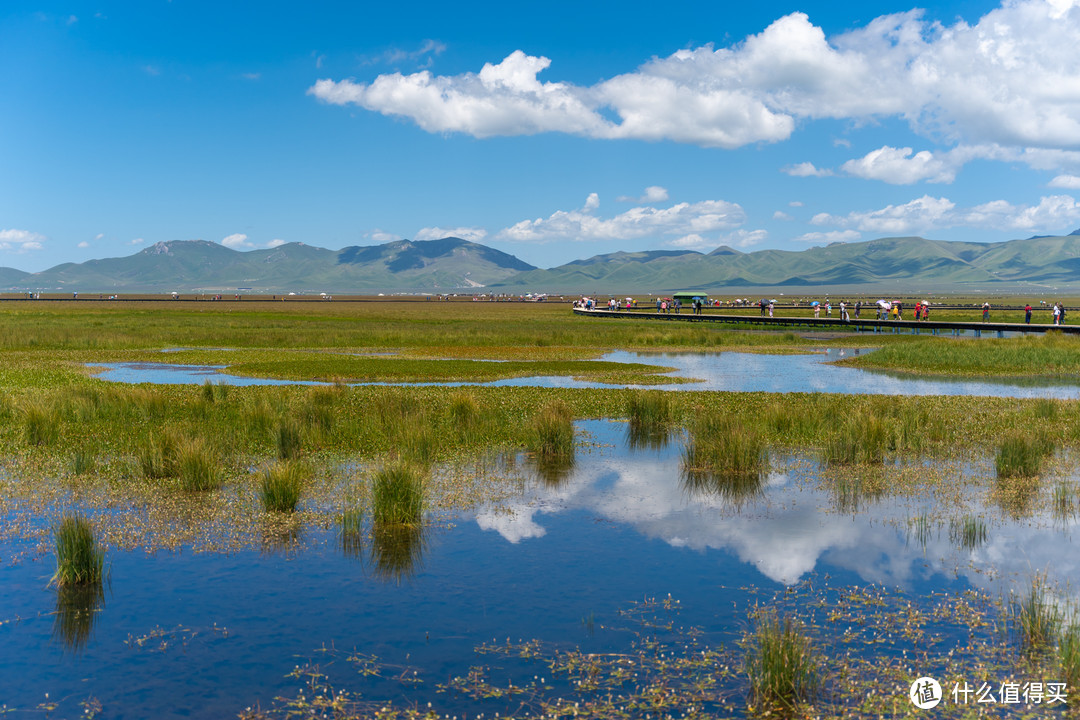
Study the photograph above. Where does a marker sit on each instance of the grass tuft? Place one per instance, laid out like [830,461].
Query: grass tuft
[781,666]
[859,439]
[397,495]
[1037,618]
[41,422]
[651,417]
[79,560]
[287,440]
[157,457]
[281,486]
[196,465]
[1021,455]
[719,445]
[553,432]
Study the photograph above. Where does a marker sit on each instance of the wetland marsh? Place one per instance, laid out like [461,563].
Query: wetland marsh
[266,553]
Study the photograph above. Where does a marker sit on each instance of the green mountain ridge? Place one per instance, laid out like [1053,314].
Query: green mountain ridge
[456,265]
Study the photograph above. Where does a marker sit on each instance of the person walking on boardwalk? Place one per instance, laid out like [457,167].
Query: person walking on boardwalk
[986,312]
[858,308]
[658,301]
[1061,316]
[1027,314]
[1057,313]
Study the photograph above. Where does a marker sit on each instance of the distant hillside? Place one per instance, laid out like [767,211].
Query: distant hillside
[456,265]
[444,265]
[916,261]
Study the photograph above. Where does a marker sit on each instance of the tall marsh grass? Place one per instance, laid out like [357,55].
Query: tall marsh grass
[1037,617]
[968,533]
[196,465]
[651,417]
[40,421]
[281,486]
[397,495]
[79,560]
[1021,454]
[287,439]
[552,432]
[781,666]
[719,445]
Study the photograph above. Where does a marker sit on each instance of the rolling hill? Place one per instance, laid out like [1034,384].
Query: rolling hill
[456,265]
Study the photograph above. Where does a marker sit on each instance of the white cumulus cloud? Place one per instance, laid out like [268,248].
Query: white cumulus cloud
[825,238]
[236,241]
[898,166]
[682,219]
[474,234]
[805,169]
[652,194]
[1067,182]
[1008,78]
[276,242]
[1052,214]
[21,240]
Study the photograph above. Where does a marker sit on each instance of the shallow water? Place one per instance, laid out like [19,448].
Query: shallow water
[728,371]
[183,634]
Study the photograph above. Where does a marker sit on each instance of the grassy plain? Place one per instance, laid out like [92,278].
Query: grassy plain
[188,462]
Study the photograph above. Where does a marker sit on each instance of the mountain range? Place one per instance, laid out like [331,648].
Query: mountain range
[455,265]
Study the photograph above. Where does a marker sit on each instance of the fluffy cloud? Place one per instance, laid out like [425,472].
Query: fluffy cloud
[825,238]
[805,169]
[683,220]
[898,166]
[653,194]
[474,234]
[1007,79]
[1067,182]
[1052,214]
[236,241]
[379,236]
[83,244]
[276,242]
[21,240]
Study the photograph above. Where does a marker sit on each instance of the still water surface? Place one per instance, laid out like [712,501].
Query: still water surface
[728,371]
[184,634]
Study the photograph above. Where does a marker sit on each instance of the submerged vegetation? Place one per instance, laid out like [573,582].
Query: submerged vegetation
[781,666]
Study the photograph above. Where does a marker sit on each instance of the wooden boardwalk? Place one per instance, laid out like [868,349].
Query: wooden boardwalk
[928,327]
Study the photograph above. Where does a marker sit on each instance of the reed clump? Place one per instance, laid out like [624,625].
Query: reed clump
[40,421]
[1068,655]
[464,411]
[857,440]
[552,432]
[651,417]
[157,457]
[287,439]
[196,465]
[719,445]
[1021,454]
[781,666]
[1037,618]
[397,494]
[281,487]
[79,560]
[352,531]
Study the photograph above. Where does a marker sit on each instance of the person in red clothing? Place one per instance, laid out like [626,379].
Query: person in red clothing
[1027,313]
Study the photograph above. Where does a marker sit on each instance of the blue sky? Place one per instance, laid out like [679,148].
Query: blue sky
[553,132]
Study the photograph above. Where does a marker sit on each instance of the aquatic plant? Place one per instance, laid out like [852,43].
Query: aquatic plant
[857,439]
[651,417]
[40,421]
[287,440]
[208,391]
[157,456]
[1068,655]
[1036,617]
[83,462]
[921,527]
[1021,455]
[196,465]
[1064,501]
[417,443]
[1045,409]
[781,666]
[282,483]
[79,560]
[719,445]
[968,533]
[853,489]
[397,494]
[552,432]
[463,409]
